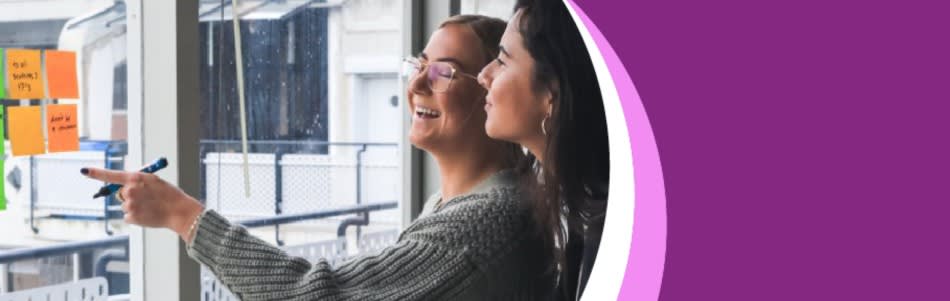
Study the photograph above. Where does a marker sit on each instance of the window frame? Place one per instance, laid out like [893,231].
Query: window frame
[162,84]
[159,266]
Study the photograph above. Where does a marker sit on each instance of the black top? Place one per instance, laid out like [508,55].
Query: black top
[580,255]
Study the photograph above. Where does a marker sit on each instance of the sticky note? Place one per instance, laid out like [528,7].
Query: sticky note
[61,74]
[25,126]
[3,195]
[23,74]
[3,76]
[3,139]
[61,122]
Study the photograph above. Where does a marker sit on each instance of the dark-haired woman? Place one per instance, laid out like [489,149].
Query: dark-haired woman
[544,95]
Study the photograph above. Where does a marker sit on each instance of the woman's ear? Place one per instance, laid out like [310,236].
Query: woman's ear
[550,94]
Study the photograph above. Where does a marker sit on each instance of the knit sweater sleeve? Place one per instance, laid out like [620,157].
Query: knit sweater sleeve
[412,269]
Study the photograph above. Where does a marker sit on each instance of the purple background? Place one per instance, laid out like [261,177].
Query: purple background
[805,145]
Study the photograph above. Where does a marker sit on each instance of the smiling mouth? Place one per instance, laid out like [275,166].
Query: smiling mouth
[427,113]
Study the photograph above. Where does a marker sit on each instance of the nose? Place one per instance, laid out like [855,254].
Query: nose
[485,77]
[418,85]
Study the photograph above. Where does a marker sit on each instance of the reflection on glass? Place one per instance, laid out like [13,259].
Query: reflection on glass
[49,205]
[323,121]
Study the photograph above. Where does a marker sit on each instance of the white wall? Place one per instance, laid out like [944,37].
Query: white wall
[495,8]
[365,37]
[31,10]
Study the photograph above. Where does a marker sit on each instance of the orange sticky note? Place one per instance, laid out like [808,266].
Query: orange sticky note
[25,128]
[61,74]
[61,122]
[23,74]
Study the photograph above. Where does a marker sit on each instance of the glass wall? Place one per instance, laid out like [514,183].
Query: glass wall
[49,204]
[323,122]
[496,8]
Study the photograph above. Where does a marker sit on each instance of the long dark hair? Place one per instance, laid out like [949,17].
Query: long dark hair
[575,174]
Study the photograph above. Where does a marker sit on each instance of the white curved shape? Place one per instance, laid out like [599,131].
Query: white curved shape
[608,271]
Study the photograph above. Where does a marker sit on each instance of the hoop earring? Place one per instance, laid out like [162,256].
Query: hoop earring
[544,129]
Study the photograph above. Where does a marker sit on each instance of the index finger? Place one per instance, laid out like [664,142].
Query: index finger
[108,176]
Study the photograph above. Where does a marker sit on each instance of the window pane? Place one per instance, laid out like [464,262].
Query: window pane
[495,8]
[49,201]
[323,121]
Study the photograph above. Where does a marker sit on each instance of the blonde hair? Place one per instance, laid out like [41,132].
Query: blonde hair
[488,30]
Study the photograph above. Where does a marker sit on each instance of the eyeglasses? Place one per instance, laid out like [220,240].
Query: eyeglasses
[439,75]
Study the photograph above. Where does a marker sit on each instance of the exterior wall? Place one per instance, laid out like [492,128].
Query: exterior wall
[495,8]
[365,38]
[14,10]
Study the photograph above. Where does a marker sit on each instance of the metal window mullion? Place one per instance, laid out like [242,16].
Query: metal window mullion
[164,58]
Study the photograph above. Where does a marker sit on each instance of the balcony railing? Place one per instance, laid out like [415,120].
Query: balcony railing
[333,250]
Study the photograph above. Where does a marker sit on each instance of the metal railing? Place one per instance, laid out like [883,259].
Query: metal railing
[74,248]
[115,151]
[114,158]
[68,248]
[279,149]
[292,181]
[82,290]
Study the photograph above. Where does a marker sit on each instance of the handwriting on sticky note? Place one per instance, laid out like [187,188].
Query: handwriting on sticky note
[61,128]
[23,74]
[61,74]
[25,126]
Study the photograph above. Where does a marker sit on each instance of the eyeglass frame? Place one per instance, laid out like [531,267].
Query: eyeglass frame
[424,66]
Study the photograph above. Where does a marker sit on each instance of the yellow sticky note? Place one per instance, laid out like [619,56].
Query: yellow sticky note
[25,128]
[61,74]
[61,122]
[23,74]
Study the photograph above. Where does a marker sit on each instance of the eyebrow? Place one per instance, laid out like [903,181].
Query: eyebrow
[503,50]
[444,59]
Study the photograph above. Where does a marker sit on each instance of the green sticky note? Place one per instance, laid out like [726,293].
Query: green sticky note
[3,138]
[3,74]
[3,155]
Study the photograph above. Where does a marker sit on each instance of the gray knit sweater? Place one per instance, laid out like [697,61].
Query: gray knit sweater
[478,246]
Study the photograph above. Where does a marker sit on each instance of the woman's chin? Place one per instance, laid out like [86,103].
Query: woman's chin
[492,130]
[499,133]
[419,141]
